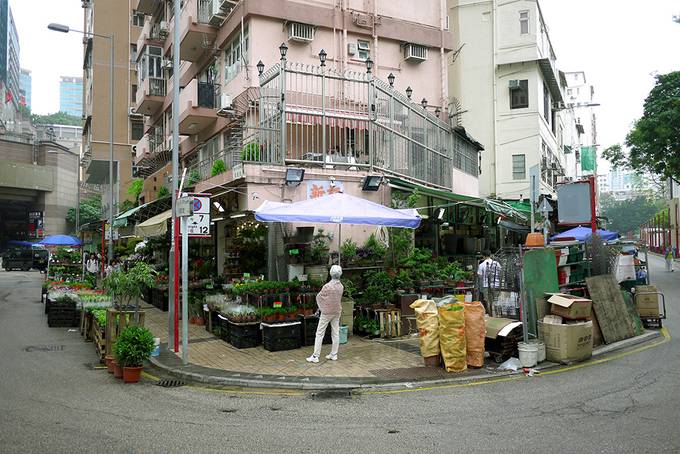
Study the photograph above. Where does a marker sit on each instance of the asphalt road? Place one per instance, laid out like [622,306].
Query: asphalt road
[54,401]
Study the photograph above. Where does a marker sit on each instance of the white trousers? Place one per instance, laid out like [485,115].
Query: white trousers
[324,320]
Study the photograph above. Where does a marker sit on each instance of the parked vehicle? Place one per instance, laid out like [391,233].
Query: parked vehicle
[40,259]
[18,259]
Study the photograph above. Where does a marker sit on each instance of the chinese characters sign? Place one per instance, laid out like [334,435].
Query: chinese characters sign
[320,188]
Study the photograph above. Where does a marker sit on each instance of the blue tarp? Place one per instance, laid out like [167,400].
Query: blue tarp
[583,233]
[19,243]
[60,240]
[337,209]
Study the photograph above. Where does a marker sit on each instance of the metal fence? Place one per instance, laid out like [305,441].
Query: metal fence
[317,116]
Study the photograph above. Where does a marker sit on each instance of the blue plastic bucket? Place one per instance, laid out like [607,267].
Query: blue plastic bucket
[344,330]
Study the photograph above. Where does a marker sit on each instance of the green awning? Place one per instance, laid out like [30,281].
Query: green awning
[524,207]
[143,212]
[493,205]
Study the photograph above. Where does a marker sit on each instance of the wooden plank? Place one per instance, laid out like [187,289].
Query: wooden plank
[612,315]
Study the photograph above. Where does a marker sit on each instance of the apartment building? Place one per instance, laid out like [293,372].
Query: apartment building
[108,18]
[580,105]
[71,95]
[9,70]
[227,104]
[507,90]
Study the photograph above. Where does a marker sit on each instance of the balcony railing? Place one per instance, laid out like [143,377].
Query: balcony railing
[157,86]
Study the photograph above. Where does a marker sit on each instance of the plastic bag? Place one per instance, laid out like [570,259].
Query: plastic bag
[428,327]
[452,337]
[475,333]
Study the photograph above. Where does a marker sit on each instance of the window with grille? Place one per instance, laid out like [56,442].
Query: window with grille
[137,19]
[518,167]
[363,49]
[136,130]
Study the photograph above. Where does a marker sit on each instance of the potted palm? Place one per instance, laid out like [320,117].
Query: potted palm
[134,345]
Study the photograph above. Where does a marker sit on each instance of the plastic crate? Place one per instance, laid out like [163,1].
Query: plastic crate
[244,335]
[225,328]
[281,336]
[308,331]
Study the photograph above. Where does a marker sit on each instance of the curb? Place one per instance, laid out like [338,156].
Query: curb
[208,376]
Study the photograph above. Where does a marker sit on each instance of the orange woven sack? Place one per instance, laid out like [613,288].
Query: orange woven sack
[475,333]
[452,337]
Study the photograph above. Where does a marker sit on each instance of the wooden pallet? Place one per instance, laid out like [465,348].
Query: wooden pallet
[390,322]
[98,334]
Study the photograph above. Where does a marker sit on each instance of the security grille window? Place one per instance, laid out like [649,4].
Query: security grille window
[137,19]
[518,167]
[236,55]
[519,96]
[133,93]
[546,103]
[524,22]
[136,130]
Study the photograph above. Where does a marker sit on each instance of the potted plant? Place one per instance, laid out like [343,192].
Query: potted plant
[268,314]
[218,167]
[124,287]
[372,327]
[133,346]
[291,313]
[348,251]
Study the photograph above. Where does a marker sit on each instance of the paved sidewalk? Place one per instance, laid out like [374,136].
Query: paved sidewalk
[361,363]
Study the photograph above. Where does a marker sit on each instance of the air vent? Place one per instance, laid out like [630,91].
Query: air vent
[303,33]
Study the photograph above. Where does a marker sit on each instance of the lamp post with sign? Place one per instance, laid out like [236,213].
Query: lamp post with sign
[184,209]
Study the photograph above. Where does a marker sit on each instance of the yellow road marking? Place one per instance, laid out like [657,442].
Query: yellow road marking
[664,332]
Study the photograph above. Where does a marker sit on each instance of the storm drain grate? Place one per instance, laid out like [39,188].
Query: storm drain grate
[45,348]
[170,383]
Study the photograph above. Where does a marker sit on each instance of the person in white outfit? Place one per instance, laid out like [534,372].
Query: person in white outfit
[329,302]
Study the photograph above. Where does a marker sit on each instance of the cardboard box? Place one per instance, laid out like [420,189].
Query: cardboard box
[564,343]
[570,307]
[647,305]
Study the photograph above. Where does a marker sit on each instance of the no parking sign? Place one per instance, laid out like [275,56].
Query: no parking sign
[198,224]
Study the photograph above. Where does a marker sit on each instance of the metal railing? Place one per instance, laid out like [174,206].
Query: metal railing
[157,86]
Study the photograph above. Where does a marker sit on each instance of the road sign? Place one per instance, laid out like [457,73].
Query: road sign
[185,206]
[198,224]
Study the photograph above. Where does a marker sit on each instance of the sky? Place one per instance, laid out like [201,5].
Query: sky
[620,44]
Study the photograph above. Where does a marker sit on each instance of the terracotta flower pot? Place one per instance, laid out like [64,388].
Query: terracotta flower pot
[132,374]
[200,321]
[117,370]
[109,363]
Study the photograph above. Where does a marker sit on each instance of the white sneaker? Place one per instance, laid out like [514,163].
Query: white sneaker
[332,357]
[313,359]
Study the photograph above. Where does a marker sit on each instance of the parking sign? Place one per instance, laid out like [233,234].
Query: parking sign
[198,224]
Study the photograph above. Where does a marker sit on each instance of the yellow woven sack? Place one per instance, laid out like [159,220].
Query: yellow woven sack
[452,337]
[428,327]
[475,333]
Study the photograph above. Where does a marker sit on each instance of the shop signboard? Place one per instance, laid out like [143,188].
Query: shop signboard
[35,224]
[107,235]
[320,188]
[198,224]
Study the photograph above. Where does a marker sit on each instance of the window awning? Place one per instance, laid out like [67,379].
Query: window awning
[143,212]
[155,226]
[492,205]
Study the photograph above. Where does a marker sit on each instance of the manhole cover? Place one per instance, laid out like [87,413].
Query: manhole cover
[45,348]
[170,383]
[331,395]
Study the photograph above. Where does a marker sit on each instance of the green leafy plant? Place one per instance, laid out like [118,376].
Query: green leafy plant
[218,167]
[193,178]
[251,152]
[319,251]
[135,189]
[133,346]
[349,288]
[163,192]
[379,288]
[127,286]
[403,280]
[348,250]
[374,248]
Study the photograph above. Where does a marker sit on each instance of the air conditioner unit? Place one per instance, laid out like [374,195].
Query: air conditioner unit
[167,63]
[163,29]
[303,33]
[352,48]
[228,5]
[134,113]
[513,84]
[415,52]
[225,107]
[86,3]
[217,16]
[168,143]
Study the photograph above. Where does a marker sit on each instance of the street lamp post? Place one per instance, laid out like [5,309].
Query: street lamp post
[66,29]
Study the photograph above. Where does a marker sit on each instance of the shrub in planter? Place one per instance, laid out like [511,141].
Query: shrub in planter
[251,152]
[218,167]
[133,346]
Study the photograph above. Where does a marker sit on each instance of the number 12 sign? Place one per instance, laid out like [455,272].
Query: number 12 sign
[198,224]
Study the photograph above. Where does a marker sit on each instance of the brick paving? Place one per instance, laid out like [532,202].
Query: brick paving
[359,358]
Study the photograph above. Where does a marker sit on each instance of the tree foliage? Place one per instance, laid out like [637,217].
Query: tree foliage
[654,141]
[135,189]
[627,215]
[90,211]
[59,118]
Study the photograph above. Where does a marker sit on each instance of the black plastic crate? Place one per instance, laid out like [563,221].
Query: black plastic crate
[308,331]
[281,336]
[225,331]
[244,335]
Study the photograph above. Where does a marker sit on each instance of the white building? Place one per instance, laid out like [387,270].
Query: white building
[509,93]
[580,97]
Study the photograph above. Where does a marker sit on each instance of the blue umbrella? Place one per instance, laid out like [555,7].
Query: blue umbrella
[60,240]
[583,233]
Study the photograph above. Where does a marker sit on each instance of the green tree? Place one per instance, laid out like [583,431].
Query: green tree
[135,189]
[627,215]
[654,141]
[163,192]
[90,211]
[59,118]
